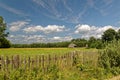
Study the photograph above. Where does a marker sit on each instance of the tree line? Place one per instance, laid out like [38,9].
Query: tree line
[108,36]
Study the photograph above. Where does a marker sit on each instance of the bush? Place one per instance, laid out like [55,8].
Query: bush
[110,57]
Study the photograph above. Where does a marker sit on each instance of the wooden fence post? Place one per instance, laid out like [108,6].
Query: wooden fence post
[16,61]
[7,62]
[36,61]
[29,61]
[55,59]
[49,59]
[0,63]
[3,63]
[42,62]
[25,63]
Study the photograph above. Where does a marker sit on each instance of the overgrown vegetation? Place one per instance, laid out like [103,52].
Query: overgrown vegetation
[110,57]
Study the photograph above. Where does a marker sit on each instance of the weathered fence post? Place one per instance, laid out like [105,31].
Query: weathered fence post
[42,62]
[74,58]
[49,59]
[36,61]
[0,63]
[55,59]
[25,63]
[7,62]
[29,61]
[16,61]
[39,61]
[3,63]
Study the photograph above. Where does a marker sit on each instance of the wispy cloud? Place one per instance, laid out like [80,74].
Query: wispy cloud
[53,11]
[108,2]
[103,10]
[50,6]
[72,14]
[12,10]
[90,3]
[66,6]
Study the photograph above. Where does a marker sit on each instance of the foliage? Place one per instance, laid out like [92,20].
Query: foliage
[4,43]
[109,58]
[109,35]
[42,45]
[100,44]
[79,42]
[92,42]
[118,35]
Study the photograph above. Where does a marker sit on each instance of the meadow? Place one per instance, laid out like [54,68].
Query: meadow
[40,51]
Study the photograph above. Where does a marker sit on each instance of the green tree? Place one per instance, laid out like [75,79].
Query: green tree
[109,35]
[92,42]
[79,42]
[4,43]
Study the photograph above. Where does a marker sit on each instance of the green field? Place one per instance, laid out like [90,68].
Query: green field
[38,51]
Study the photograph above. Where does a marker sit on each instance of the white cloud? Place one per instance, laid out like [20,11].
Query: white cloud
[26,38]
[47,29]
[82,28]
[56,38]
[87,31]
[36,38]
[59,39]
[16,26]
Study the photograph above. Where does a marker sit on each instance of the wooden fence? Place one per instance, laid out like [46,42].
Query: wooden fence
[44,61]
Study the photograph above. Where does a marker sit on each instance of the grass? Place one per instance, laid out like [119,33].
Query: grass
[37,51]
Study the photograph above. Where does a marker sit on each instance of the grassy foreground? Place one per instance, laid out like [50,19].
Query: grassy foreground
[84,66]
[81,67]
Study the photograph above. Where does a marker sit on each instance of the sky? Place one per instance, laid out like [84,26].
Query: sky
[31,21]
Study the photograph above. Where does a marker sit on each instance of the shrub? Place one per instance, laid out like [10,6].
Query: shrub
[110,57]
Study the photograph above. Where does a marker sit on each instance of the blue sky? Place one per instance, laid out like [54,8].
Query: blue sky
[31,21]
